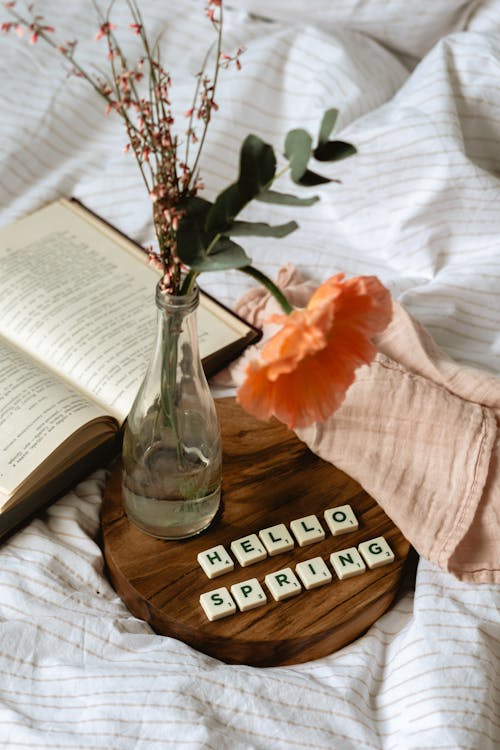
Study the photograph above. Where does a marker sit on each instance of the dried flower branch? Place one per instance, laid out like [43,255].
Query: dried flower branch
[193,235]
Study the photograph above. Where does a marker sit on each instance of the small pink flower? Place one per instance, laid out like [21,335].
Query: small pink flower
[104,30]
[136,28]
[34,38]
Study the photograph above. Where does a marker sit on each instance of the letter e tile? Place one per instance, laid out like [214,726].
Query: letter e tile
[248,550]
[307,530]
[313,573]
[347,563]
[341,520]
[217,603]
[376,552]
[215,561]
[248,594]
[283,584]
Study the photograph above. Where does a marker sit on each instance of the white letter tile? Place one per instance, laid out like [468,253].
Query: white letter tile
[341,520]
[248,594]
[215,561]
[347,563]
[283,584]
[217,604]
[276,539]
[313,573]
[307,530]
[376,552]
[248,550]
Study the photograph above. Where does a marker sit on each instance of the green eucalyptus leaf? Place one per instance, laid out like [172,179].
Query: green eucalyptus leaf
[191,241]
[333,151]
[257,166]
[226,206]
[261,229]
[327,125]
[312,178]
[224,254]
[257,169]
[298,150]
[272,196]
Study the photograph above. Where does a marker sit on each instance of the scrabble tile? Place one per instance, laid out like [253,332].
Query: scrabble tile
[248,594]
[376,552]
[276,539]
[215,561]
[341,520]
[248,550]
[313,573]
[307,530]
[217,603]
[347,563]
[283,584]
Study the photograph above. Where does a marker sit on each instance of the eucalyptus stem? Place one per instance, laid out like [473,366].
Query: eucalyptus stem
[270,286]
[189,282]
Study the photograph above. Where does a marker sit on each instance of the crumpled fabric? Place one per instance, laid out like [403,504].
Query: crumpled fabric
[418,431]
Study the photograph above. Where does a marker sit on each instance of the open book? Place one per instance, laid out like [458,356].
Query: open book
[77,323]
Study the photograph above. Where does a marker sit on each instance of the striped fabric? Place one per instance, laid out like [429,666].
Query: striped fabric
[417,86]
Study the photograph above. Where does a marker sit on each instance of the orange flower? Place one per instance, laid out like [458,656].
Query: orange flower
[306,368]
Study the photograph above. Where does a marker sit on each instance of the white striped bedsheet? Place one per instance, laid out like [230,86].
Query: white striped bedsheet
[418,206]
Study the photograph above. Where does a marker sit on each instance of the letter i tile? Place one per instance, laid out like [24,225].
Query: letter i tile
[313,573]
[217,603]
[248,594]
[283,584]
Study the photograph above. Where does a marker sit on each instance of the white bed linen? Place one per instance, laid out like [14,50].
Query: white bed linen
[419,207]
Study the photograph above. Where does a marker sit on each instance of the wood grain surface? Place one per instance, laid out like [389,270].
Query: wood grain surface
[269,477]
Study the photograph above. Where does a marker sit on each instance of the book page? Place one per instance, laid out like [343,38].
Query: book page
[37,413]
[75,300]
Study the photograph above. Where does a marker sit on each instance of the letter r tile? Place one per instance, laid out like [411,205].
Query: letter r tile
[283,584]
[215,561]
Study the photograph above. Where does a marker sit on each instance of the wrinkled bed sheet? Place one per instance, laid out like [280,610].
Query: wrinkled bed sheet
[417,86]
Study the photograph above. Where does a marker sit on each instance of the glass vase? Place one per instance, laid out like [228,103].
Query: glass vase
[171,477]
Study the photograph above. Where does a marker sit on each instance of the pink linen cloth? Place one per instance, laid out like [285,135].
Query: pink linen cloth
[418,431]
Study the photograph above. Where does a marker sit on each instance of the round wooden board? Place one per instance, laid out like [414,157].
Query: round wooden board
[269,477]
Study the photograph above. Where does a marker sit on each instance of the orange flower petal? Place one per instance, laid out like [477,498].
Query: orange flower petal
[307,366]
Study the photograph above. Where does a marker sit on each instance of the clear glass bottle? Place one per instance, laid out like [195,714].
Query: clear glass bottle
[171,479]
